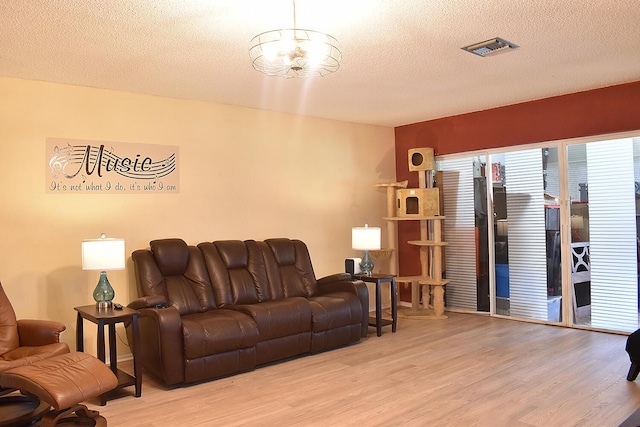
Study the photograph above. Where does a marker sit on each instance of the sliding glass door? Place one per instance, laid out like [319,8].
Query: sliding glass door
[602,182]
[464,192]
[549,233]
[526,228]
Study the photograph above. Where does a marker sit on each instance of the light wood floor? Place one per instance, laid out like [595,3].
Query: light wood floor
[468,370]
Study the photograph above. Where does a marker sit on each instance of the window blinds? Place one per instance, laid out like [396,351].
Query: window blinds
[527,239]
[612,234]
[459,233]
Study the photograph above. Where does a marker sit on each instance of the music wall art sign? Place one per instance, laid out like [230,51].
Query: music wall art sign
[91,167]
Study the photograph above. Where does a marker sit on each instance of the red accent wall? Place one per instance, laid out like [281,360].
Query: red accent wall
[595,112]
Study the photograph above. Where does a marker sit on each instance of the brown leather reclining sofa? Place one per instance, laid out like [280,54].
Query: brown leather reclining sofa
[224,307]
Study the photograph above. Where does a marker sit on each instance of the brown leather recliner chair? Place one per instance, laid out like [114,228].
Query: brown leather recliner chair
[23,342]
[52,380]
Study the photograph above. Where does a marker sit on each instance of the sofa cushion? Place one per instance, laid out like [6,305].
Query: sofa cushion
[289,268]
[217,331]
[279,318]
[172,255]
[176,271]
[335,310]
[237,271]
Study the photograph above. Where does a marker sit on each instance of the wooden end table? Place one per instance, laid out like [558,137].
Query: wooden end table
[111,317]
[379,321]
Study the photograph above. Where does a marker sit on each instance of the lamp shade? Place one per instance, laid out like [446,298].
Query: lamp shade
[103,254]
[365,238]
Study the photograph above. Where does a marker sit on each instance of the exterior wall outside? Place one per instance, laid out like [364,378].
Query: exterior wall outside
[244,174]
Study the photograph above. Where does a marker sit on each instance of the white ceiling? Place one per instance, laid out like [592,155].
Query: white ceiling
[402,61]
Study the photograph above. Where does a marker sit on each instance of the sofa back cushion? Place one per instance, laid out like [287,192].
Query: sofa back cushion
[176,271]
[8,325]
[237,271]
[289,268]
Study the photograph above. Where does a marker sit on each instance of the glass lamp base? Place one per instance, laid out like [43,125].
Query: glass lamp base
[103,294]
[366,265]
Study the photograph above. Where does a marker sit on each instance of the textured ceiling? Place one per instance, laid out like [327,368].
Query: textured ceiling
[402,61]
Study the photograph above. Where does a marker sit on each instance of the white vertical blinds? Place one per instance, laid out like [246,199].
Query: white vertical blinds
[459,233]
[526,234]
[612,233]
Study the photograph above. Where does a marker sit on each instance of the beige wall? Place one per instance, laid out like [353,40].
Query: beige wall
[244,174]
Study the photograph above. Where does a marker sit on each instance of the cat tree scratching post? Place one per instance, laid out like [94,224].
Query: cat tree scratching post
[422,204]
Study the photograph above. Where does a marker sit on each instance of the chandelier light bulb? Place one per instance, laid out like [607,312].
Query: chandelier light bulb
[315,52]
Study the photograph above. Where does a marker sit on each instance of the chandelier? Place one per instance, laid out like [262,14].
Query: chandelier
[295,52]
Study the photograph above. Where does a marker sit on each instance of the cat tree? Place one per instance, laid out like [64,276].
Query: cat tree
[419,204]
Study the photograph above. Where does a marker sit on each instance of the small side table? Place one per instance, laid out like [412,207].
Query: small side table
[110,317]
[378,321]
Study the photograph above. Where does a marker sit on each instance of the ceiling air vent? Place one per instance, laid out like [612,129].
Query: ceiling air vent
[490,47]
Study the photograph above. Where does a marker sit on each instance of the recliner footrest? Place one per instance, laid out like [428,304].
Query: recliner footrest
[62,381]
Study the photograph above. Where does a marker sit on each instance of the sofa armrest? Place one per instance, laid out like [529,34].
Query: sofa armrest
[338,277]
[357,287]
[152,301]
[161,340]
[35,333]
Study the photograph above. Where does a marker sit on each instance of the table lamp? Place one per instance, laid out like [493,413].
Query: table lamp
[103,254]
[367,239]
